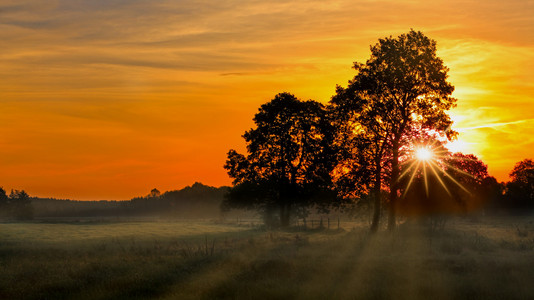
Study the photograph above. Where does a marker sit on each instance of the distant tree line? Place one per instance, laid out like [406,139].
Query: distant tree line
[360,147]
[195,201]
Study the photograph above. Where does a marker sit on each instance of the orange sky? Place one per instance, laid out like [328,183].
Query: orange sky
[109,99]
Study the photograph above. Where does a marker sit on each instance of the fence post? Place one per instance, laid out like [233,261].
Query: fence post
[328,223]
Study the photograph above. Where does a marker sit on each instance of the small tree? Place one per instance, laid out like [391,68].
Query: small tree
[154,193]
[4,203]
[287,165]
[493,193]
[520,190]
[20,205]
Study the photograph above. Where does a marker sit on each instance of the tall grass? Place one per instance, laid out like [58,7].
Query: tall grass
[200,260]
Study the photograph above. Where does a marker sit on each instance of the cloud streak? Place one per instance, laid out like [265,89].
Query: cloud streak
[493,125]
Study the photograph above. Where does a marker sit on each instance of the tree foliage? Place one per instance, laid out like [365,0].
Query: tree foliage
[466,176]
[288,164]
[363,145]
[520,190]
[20,205]
[401,88]
[4,200]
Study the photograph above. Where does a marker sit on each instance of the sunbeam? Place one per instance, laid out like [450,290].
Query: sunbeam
[454,180]
[411,178]
[423,154]
[426,178]
[433,156]
[413,162]
[439,179]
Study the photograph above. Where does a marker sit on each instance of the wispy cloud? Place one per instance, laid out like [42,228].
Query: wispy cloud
[494,125]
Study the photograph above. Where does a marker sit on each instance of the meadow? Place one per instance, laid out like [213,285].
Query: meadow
[469,259]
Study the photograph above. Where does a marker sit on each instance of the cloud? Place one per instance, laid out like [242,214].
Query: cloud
[494,125]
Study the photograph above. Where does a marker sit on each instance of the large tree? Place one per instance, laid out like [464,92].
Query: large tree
[288,161]
[363,140]
[402,86]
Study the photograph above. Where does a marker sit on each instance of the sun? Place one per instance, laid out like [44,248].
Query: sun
[423,154]
[429,159]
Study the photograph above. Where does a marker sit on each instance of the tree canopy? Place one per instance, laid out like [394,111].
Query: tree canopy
[17,205]
[401,90]
[520,190]
[287,165]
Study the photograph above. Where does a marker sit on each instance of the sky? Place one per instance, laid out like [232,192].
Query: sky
[108,99]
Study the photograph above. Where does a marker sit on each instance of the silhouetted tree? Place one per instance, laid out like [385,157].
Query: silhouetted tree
[467,178]
[154,193]
[287,165]
[493,192]
[20,204]
[443,185]
[4,200]
[4,203]
[402,86]
[363,144]
[520,190]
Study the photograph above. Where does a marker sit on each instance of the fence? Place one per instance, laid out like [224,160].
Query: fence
[334,223]
[321,223]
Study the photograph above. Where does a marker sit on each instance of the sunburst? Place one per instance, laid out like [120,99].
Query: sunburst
[430,157]
[423,154]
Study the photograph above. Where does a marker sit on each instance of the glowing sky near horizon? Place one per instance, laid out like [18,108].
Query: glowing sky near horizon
[109,99]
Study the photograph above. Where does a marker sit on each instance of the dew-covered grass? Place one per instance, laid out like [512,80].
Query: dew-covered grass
[484,259]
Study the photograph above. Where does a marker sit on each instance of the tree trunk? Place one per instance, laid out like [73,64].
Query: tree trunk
[392,221]
[284,215]
[376,197]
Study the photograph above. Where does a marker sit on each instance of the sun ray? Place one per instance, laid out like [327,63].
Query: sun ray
[413,162]
[439,178]
[459,171]
[455,181]
[426,179]
[434,156]
[463,158]
[411,179]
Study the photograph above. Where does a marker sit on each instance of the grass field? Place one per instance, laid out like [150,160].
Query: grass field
[484,259]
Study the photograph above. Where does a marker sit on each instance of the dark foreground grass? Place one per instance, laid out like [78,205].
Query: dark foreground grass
[466,261]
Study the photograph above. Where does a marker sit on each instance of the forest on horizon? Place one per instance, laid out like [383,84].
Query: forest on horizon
[195,201]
